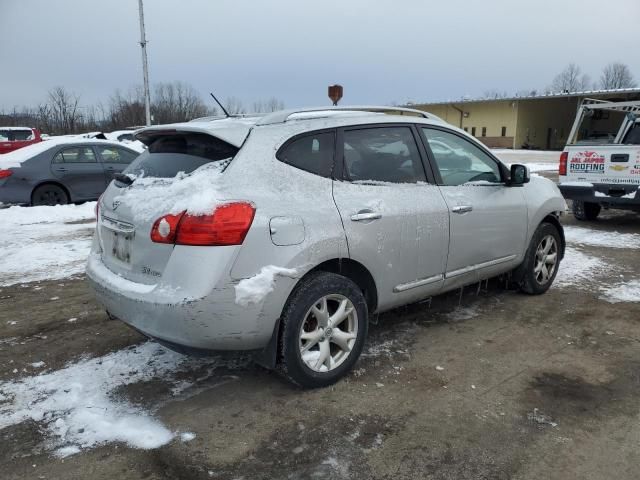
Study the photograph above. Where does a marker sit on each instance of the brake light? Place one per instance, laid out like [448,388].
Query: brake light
[164,229]
[227,225]
[562,168]
[5,173]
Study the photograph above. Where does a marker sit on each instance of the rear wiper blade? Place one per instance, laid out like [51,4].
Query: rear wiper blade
[122,178]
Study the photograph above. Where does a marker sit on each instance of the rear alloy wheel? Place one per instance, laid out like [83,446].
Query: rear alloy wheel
[585,210]
[324,326]
[542,260]
[49,195]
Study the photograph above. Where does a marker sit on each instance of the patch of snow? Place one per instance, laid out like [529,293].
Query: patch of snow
[577,268]
[187,436]
[39,364]
[601,238]
[462,313]
[44,243]
[623,292]
[439,368]
[196,192]
[76,405]
[255,289]
[71,320]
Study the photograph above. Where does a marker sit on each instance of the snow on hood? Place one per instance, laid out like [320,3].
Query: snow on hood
[197,192]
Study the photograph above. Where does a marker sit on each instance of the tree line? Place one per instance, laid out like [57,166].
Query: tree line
[573,79]
[63,113]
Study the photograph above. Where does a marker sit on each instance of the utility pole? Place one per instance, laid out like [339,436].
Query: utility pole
[145,67]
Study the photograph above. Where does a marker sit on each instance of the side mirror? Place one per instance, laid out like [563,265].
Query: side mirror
[519,174]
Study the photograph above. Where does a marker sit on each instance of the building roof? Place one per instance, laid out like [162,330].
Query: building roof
[583,93]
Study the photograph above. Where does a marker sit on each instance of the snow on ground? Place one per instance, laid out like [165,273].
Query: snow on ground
[79,406]
[255,289]
[578,269]
[43,243]
[601,238]
[628,291]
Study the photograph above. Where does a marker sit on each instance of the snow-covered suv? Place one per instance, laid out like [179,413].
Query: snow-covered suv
[283,234]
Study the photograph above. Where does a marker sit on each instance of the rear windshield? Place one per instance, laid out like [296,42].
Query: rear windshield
[169,155]
[15,135]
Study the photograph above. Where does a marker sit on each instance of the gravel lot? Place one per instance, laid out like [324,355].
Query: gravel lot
[491,384]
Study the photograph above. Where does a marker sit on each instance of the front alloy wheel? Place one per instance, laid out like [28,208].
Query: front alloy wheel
[542,260]
[546,260]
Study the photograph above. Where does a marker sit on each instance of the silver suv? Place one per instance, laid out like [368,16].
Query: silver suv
[283,234]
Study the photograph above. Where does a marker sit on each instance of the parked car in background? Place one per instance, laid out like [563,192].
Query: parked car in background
[284,234]
[602,170]
[13,138]
[61,170]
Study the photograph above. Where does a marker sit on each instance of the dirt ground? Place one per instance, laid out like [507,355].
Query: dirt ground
[527,388]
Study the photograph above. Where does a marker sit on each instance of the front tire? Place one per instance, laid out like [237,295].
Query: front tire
[324,326]
[49,194]
[585,210]
[541,261]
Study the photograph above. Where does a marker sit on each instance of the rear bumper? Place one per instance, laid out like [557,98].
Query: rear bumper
[614,195]
[208,322]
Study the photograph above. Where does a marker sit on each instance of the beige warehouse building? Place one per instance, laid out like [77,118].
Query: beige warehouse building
[540,122]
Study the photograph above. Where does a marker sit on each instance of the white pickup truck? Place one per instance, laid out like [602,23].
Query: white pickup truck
[600,166]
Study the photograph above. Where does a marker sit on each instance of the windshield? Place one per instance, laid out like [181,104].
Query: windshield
[169,155]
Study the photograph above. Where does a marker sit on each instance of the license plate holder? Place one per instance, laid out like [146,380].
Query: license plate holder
[121,246]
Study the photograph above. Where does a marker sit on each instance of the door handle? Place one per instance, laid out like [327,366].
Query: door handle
[364,215]
[462,209]
[620,157]
[61,169]
[110,169]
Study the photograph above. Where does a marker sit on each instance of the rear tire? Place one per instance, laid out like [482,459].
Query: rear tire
[49,194]
[542,260]
[324,326]
[585,210]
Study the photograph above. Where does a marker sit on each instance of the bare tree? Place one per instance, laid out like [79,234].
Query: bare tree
[571,79]
[60,112]
[617,75]
[494,94]
[265,106]
[176,102]
[234,106]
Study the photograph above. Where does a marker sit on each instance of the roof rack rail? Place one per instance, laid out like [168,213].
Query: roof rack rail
[596,104]
[283,115]
[212,118]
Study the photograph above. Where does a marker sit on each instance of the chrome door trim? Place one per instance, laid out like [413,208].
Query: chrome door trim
[471,268]
[417,283]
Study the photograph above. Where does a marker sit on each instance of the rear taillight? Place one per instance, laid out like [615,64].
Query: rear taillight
[164,229]
[227,225]
[562,168]
[5,173]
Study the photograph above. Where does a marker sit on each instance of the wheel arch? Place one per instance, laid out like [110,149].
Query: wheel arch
[50,182]
[346,267]
[555,221]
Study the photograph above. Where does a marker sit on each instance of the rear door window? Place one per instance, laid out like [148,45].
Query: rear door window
[313,153]
[633,135]
[169,155]
[116,155]
[382,154]
[75,155]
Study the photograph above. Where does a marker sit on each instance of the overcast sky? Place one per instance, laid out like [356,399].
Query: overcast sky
[381,51]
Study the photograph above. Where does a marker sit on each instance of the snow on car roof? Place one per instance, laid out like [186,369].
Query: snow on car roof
[17,157]
[16,128]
